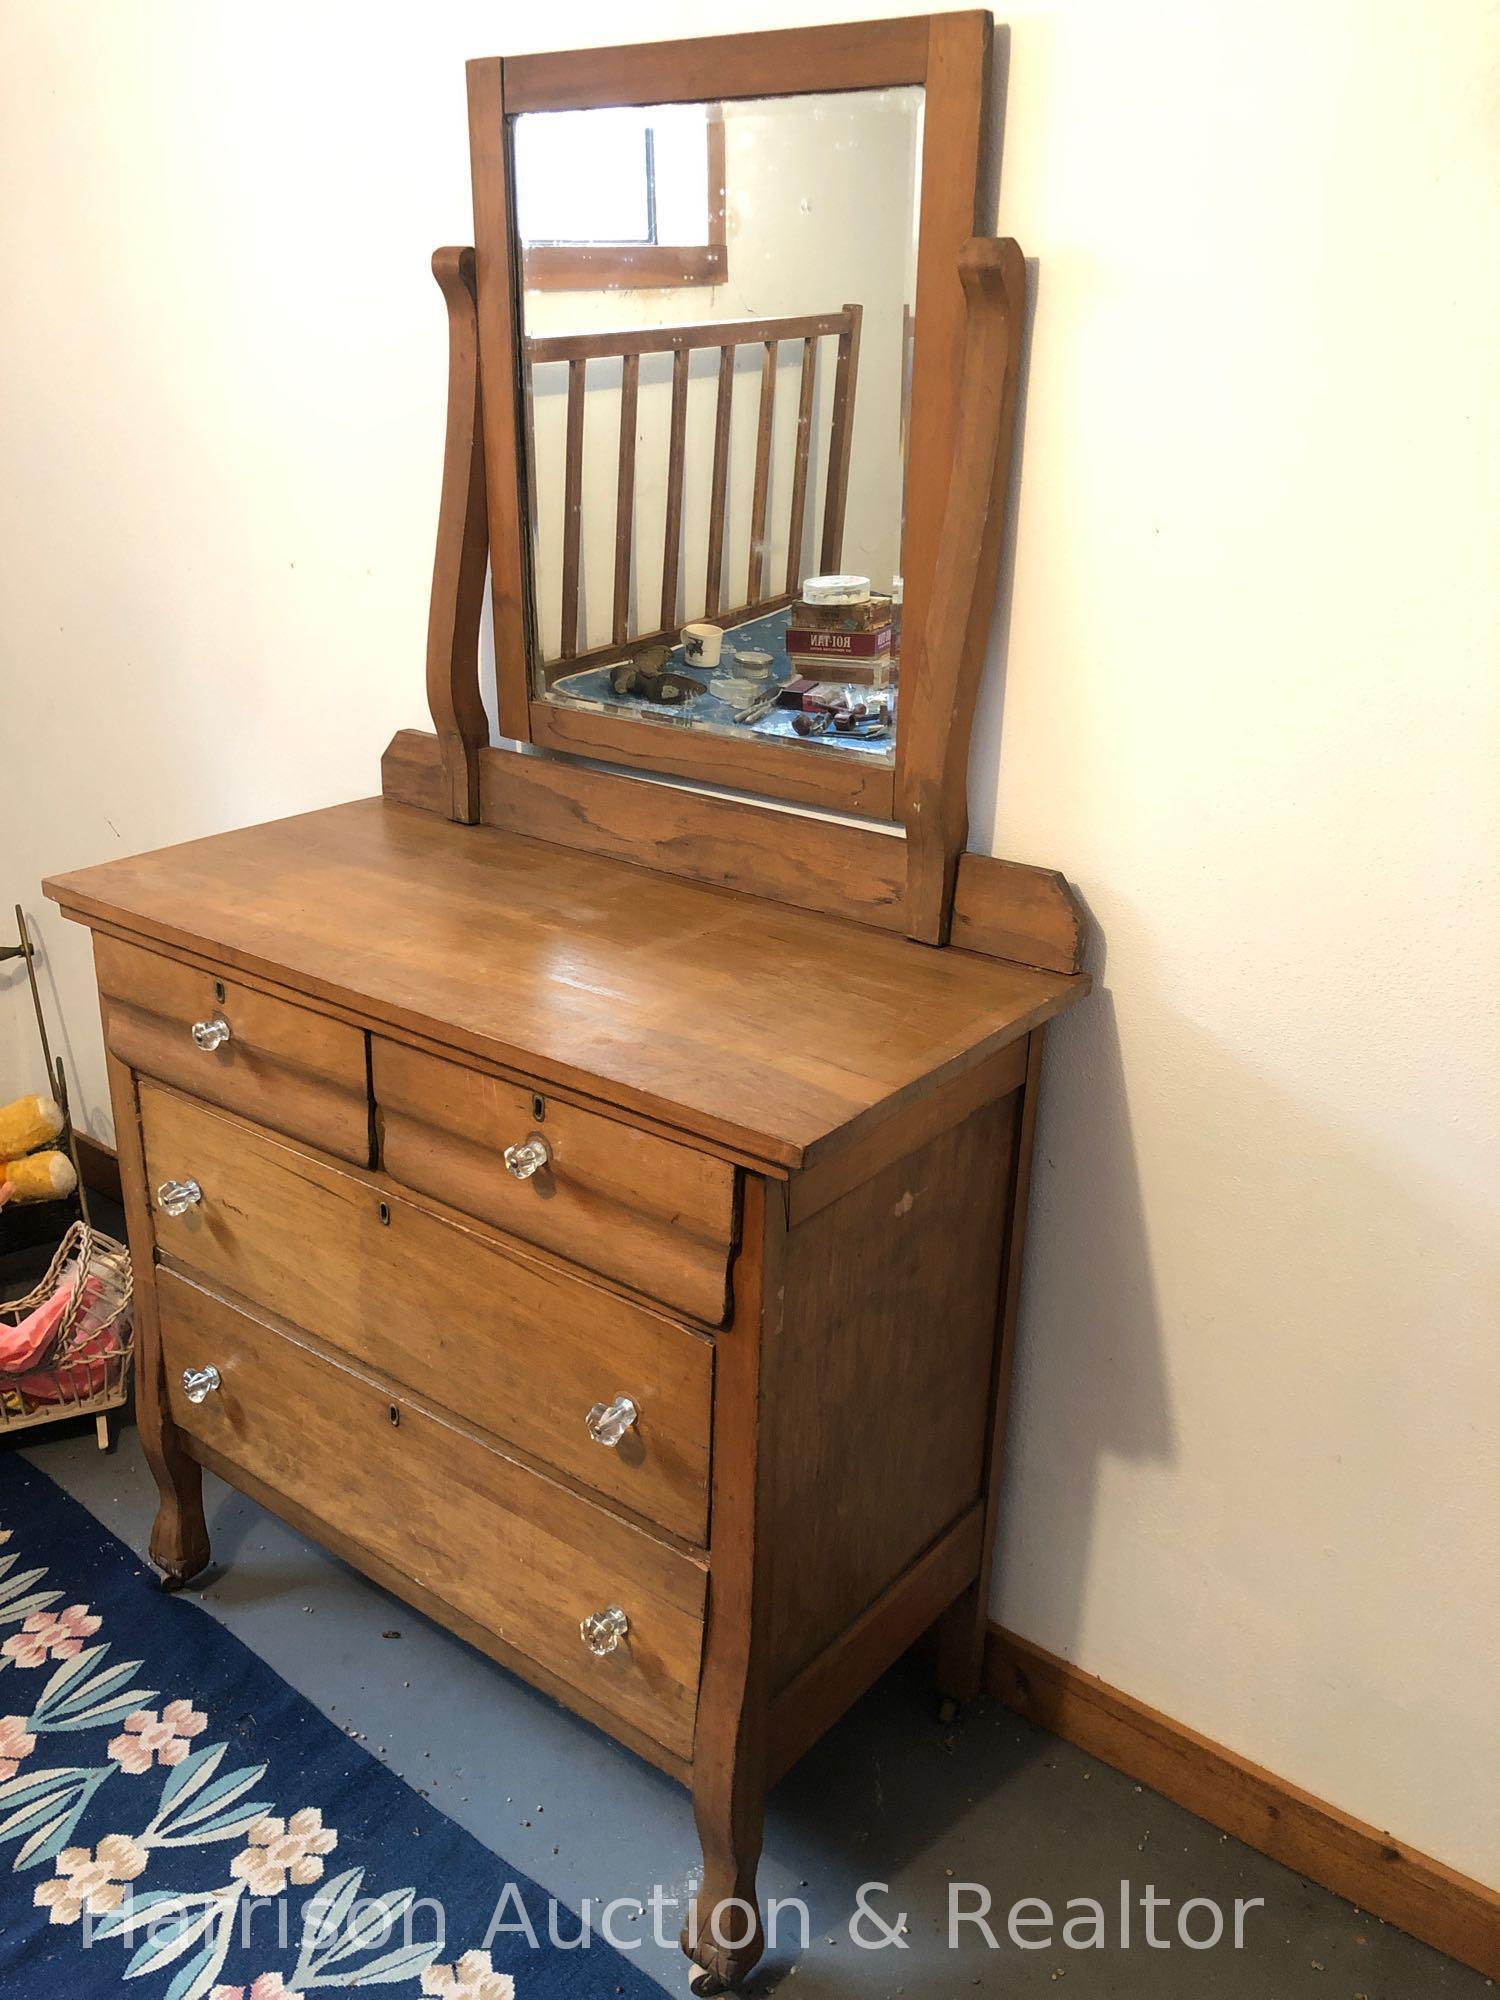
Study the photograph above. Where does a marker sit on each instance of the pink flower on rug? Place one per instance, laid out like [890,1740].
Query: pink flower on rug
[269,1986]
[57,1635]
[282,1851]
[473,1978]
[151,1738]
[15,1745]
[93,1882]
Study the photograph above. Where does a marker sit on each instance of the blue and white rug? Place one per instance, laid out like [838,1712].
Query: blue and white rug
[174,1815]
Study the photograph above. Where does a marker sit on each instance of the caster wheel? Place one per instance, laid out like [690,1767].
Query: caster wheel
[703,1982]
[948,1711]
[170,1584]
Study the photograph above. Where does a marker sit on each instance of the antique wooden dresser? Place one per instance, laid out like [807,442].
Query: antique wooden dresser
[591,1205]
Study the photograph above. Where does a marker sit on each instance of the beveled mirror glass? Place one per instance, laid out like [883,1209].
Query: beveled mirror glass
[715,366]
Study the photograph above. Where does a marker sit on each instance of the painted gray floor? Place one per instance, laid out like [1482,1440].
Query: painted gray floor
[889,1796]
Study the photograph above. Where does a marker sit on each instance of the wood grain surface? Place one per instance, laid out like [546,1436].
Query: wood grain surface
[768,1028]
[508,1548]
[517,1346]
[882,1379]
[1003,909]
[462,554]
[284,1066]
[656,1216]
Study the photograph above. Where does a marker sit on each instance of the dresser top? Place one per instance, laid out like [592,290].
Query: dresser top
[751,1025]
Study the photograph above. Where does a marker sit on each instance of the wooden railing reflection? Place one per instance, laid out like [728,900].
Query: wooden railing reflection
[577,350]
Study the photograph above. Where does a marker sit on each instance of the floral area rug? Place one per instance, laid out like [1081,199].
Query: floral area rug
[178,1823]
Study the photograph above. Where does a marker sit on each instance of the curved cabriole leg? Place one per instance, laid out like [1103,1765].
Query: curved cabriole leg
[179,1538]
[723,1935]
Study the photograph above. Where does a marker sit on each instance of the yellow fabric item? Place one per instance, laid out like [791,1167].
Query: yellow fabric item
[28,1123]
[39,1177]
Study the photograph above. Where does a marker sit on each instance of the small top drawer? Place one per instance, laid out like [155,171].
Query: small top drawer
[635,1207]
[279,1064]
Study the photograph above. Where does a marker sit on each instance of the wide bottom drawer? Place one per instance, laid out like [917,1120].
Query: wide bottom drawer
[526,1559]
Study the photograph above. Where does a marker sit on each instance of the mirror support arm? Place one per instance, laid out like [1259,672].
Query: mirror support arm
[462,550]
[945,686]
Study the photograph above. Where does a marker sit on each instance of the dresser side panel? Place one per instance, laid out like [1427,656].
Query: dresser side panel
[882,1388]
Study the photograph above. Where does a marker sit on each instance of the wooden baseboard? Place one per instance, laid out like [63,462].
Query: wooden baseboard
[99,1166]
[1432,1902]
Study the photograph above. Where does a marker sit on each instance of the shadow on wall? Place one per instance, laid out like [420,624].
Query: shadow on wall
[1316,1282]
[1095,1291]
[1090,1316]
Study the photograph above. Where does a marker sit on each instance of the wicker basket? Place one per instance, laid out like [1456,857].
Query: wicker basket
[84,1370]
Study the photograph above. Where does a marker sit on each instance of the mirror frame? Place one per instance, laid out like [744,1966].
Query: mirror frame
[949,55]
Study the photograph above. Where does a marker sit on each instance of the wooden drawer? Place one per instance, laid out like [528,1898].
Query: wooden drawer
[641,1209]
[284,1066]
[519,1555]
[508,1342]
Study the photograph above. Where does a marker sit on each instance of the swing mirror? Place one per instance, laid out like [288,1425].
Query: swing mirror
[720,320]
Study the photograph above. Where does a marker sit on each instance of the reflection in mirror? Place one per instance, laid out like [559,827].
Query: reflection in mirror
[717,331]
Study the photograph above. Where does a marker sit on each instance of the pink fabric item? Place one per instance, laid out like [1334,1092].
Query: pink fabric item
[21,1346]
[85,1372]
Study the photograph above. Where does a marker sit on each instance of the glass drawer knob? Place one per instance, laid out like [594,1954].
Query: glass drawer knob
[603,1630]
[177,1197]
[211,1034]
[608,1422]
[528,1159]
[199,1382]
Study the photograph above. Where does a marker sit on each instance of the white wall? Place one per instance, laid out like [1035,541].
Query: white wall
[1247,677]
